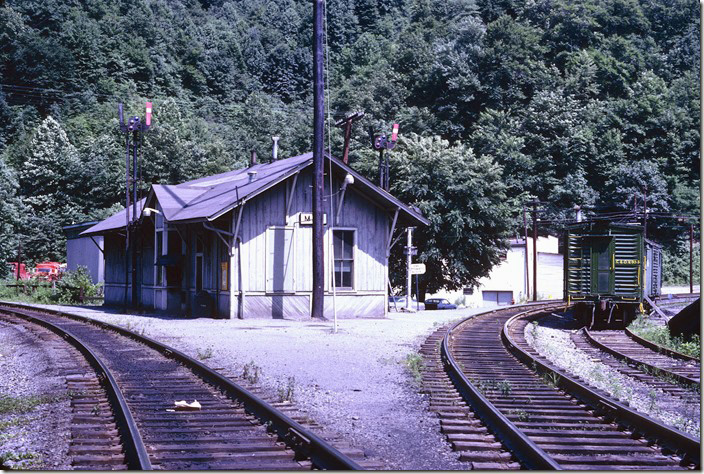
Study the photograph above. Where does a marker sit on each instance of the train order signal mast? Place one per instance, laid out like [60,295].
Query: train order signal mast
[136,128]
[381,143]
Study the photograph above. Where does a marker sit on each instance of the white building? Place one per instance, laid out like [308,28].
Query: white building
[506,282]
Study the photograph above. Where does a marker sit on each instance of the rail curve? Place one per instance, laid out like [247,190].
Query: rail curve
[193,439]
[546,417]
[653,362]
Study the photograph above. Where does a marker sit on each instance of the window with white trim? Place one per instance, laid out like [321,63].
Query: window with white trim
[343,248]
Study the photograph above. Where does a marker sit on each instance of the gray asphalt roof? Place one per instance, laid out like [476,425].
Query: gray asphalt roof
[114,222]
[210,197]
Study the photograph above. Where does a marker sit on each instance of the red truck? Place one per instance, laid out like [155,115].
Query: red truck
[24,274]
[48,271]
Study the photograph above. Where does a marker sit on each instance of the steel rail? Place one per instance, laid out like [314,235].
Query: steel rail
[530,455]
[299,438]
[683,444]
[136,454]
[659,348]
[634,362]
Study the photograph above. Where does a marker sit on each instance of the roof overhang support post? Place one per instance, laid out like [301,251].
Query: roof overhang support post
[96,244]
[342,196]
[240,276]
[220,233]
[389,243]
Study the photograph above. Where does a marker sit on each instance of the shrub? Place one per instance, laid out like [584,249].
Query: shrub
[73,284]
[660,334]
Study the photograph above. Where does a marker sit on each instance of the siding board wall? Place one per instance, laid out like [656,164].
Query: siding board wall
[269,291]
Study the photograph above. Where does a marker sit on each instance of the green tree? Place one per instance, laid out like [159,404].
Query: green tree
[48,187]
[11,210]
[463,197]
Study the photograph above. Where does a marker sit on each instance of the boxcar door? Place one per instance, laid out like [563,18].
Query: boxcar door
[602,267]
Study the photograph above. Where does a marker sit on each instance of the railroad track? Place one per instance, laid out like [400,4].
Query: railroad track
[676,298]
[132,421]
[674,376]
[543,417]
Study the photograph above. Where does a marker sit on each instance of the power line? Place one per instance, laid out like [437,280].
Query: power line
[45,93]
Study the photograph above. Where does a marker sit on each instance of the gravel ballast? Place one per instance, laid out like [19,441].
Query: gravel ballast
[355,383]
[34,405]
[555,344]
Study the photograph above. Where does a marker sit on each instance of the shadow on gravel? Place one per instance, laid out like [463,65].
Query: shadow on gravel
[560,320]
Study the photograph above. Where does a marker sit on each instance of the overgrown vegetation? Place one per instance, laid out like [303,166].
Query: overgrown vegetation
[569,102]
[287,392]
[251,372]
[18,405]
[73,288]
[20,460]
[414,364]
[660,334]
[205,354]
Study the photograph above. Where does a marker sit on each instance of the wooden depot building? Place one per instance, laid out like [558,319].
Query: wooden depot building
[239,244]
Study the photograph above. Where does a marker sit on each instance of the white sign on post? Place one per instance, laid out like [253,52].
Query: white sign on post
[417,268]
[306,218]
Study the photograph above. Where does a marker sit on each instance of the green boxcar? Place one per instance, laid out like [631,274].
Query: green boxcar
[609,268]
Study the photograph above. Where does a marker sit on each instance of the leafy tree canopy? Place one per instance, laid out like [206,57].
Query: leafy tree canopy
[567,102]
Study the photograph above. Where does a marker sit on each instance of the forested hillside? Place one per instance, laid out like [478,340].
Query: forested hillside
[499,101]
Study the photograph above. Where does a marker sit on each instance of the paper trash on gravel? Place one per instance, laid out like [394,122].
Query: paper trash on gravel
[183,405]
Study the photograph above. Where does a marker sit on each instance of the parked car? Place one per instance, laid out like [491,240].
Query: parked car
[400,303]
[439,303]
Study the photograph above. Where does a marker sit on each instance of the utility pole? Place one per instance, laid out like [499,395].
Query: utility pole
[691,246]
[409,259]
[317,303]
[123,128]
[346,124]
[525,232]
[645,212]
[19,259]
[535,251]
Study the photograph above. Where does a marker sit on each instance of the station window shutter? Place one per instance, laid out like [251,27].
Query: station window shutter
[279,260]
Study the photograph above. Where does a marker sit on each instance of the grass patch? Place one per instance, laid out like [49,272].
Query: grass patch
[20,460]
[660,334]
[207,353]
[251,372]
[16,405]
[4,425]
[288,391]
[414,364]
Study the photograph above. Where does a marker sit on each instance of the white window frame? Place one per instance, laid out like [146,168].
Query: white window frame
[293,258]
[331,273]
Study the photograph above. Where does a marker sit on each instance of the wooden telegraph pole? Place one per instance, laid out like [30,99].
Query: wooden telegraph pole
[525,233]
[318,117]
[535,250]
[691,247]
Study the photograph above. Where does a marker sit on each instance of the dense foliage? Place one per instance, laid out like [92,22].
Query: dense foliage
[74,287]
[593,103]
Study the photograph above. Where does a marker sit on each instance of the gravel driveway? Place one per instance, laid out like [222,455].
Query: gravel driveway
[355,382]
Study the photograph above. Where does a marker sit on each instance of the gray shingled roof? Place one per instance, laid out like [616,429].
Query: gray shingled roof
[210,197]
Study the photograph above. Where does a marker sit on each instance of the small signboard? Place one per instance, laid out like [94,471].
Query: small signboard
[417,268]
[306,218]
